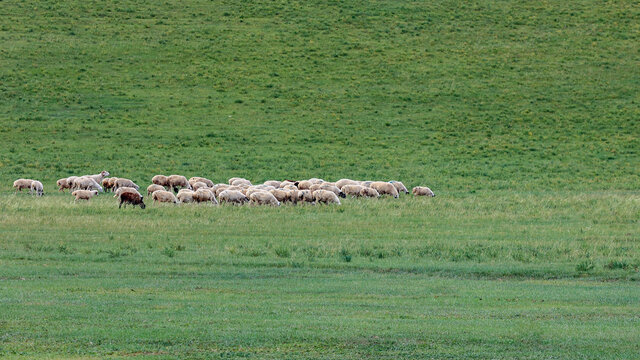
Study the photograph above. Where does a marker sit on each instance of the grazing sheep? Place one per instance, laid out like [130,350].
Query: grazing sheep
[304,184]
[316,181]
[253,189]
[122,182]
[132,198]
[400,187]
[385,188]
[326,197]
[366,183]
[290,187]
[304,196]
[422,191]
[161,180]
[63,184]
[196,179]
[284,195]
[163,196]
[351,189]
[153,188]
[84,194]
[198,185]
[234,179]
[287,183]
[232,197]
[369,192]
[122,190]
[185,196]
[204,195]
[327,186]
[241,182]
[342,182]
[36,186]
[22,184]
[112,183]
[221,188]
[178,181]
[274,183]
[263,198]
[87,183]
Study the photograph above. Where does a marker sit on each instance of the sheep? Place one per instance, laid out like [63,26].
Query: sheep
[422,191]
[84,194]
[326,197]
[132,198]
[112,183]
[274,183]
[22,184]
[63,184]
[98,177]
[351,189]
[87,183]
[105,184]
[122,190]
[366,183]
[221,188]
[384,188]
[316,181]
[290,187]
[36,186]
[327,186]
[304,184]
[304,196]
[287,183]
[161,180]
[185,196]
[199,185]
[399,186]
[196,179]
[263,198]
[253,189]
[178,181]
[70,182]
[163,196]
[369,192]
[122,182]
[284,195]
[342,182]
[234,179]
[241,182]
[203,195]
[232,197]
[153,188]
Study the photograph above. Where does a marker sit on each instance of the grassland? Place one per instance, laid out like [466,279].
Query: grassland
[522,116]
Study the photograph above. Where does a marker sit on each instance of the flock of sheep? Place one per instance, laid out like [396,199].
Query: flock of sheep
[238,190]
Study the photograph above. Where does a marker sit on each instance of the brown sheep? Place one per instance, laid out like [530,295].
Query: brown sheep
[63,184]
[153,188]
[204,195]
[385,188]
[369,192]
[105,184]
[263,198]
[22,184]
[84,194]
[132,198]
[422,191]
[325,197]
[161,180]
[232,197]
[122,190]
[178,181]
[163,196]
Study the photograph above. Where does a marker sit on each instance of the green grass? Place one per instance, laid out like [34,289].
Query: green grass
[522,116]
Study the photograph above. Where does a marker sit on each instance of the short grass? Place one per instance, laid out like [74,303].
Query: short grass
[522,116]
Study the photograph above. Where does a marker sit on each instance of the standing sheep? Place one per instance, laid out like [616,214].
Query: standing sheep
[87,183]
[198,185]
[161,180]
[22,184]
[385,188]
[123,190]
[232,197]
[122,182]
[304,184]
[196,179]
[164,196]
[204,195]
[352,190]
[185,196]
[263,198]
[369,192]
[326,197]
[84,194]
[153,188]
[178,181]
[36,186]
[422,191]
[304,196]
[98,177]
[63,184]
[132,198]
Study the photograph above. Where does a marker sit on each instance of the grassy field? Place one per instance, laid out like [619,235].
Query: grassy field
[522,116]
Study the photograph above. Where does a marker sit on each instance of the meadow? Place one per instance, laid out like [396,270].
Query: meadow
[521,116]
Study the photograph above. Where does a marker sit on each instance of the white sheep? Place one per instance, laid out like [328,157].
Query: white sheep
[153,188]
[385,188]
[122,182]
[263,198]
[399,186]
[326,197]
[20,184]
[163,196]
[36,186]
[87,183]
[84,194]
[232,197]
[422,191]
[204,195]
